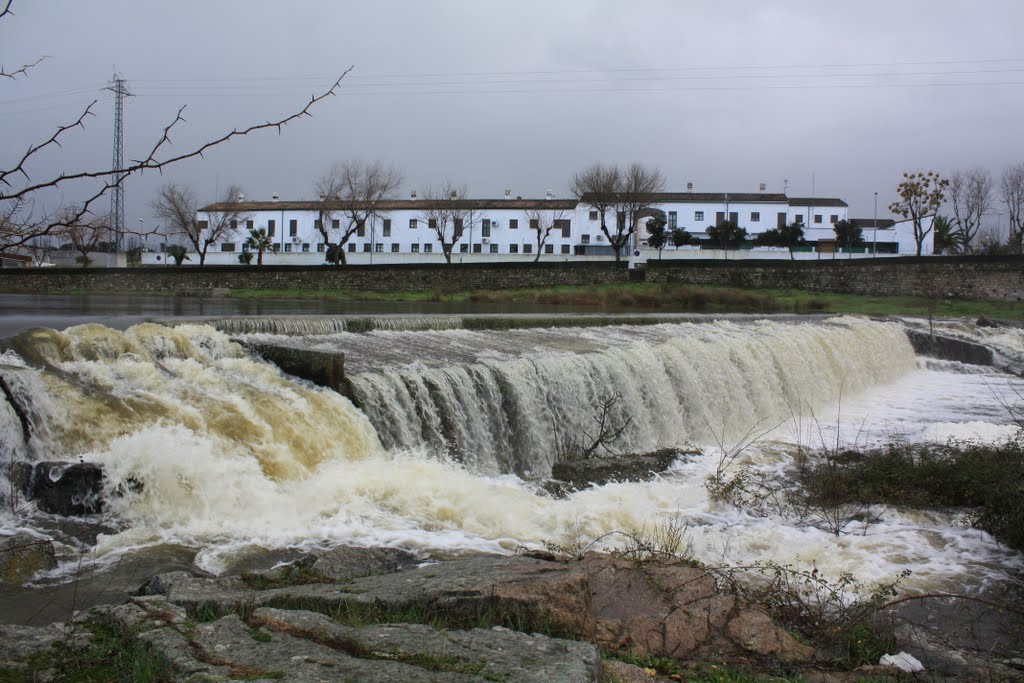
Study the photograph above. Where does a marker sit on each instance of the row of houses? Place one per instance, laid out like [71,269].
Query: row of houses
[397,231]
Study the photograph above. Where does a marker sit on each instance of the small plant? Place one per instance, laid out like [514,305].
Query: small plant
[588,443]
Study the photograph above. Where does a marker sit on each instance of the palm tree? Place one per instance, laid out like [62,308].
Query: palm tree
[947,239]
[258,241]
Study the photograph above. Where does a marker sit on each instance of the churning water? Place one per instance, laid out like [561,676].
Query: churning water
[456,426]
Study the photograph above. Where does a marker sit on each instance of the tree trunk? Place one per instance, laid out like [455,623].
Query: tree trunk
[259,257]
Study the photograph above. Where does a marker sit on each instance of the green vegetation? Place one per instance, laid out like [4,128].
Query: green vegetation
[648,296]
[985,479]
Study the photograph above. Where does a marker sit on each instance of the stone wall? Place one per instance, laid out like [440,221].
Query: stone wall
[968,277]
[992,278]
[217,279]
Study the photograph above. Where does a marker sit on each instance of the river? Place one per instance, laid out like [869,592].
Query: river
[457,427]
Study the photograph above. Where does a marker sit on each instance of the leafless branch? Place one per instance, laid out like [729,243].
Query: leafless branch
[22,70]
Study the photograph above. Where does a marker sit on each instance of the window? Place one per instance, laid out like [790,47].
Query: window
[387,227]
[584,239]
[412,223]
[513,248]
[755,216]
[527,248]
[335,224]
[459,227]
[698,215]
[203,225]
[432,224]
[321,247]
[287,247]
[234,224]
[305,247]
[415,248]
[534,224]
[494,249]
[799,218]
[248,225]
[270,228]
[673,219]
[817,218]
[361,229]
[378,247]
[394,248]
[485,228]
[227,246]
[513,224]
[620,219]
[476,249]
[367,247]
[549,249]
[594,216]
[351,247]
[293,228]
[565,248]
[565,225]
[428,248]
[318,225]
[463,248]
[834,218]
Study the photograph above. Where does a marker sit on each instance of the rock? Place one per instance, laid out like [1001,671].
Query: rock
[756,632]
[22,555]
[346,562]
[66,488]
[21,643]
[323,368]
[985,321]
[649,608]
[620,672]
[297,645]
[579,474]
[948,348]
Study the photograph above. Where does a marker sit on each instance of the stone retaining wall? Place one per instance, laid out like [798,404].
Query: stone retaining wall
[968,277]
[964,277]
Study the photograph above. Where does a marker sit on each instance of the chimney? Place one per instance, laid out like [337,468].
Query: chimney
[508,194]
[412,195]
[274,197]
[762,186]
[689,187]
[550,195]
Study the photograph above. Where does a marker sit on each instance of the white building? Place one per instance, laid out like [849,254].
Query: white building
[399,230]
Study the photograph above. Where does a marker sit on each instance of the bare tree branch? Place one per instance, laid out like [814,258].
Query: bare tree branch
[178,208]
[22,70]
[354,189]
[1011,189]
[970,194]
[446,215]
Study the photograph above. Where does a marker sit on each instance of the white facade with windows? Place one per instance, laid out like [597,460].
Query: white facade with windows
[398,231]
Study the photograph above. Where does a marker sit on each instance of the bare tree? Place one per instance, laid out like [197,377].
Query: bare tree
[1011,187]
[596,186]
[627,193]
[85,236]
[24,216]
[970,193]
[178,208]
[921,195]
[354,190]
[637,193]
[446,214]
[543,222]
[328,189]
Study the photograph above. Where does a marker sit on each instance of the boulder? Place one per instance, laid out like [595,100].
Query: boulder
[22,555]
[573,475]
[949,348]
[66,488]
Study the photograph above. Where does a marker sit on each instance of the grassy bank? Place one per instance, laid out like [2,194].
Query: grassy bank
[672,298]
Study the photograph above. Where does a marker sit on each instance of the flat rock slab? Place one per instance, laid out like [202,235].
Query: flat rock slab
[295,645]
[650,608]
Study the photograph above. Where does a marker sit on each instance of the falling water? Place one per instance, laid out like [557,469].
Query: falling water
[233,455]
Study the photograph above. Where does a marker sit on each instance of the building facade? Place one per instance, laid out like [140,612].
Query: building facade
[517,229]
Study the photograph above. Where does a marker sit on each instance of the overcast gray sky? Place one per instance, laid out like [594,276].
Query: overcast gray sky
[521,94]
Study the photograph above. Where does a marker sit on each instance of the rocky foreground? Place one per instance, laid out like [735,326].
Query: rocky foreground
[356,614]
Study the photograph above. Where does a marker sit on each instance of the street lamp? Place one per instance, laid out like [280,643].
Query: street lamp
[875,224]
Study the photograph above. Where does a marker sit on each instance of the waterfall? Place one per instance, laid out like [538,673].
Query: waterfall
[668,385]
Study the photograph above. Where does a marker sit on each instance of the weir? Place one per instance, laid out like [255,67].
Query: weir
[206,445]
